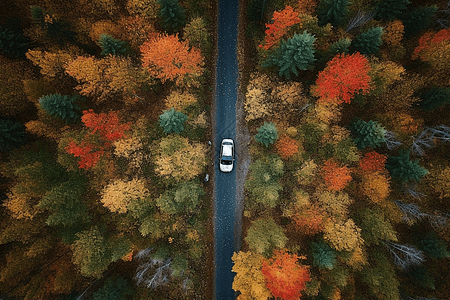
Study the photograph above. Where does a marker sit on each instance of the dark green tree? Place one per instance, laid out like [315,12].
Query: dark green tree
[402,168]
[375,227]
[184,197]
[65,202]
[297,53]
[433,246]
[390,9]
[61,106]
[57,29]
[340,46]
[172,14]
[12,134]
[267,134]
[172,121]
[368,42]
[13,44]
[332,11]
[420,276]
[434,98]
[323,256]
[264,236]
[114,288]
[179,264]
[367,134]
[418,20]
[112,46]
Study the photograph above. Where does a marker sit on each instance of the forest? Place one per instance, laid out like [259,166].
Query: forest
[347,104]
[104,129]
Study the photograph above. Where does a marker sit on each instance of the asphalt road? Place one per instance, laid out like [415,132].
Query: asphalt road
[225,184]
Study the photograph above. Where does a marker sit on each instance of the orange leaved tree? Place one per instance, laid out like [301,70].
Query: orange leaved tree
[336,177]
[279,26]
[309,219]
[104,129]
[285,277]
[167,58]
[343,77]
[286,147]
[430,40]
[373,161]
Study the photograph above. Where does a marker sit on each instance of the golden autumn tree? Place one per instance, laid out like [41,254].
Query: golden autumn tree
[179,158]
[167,58]
[51,63]
[257,99]
[249,280]
[393,33]
[343,236]
[179,100]
[104,78]
[118,194]
[336,177]
[375,186]
[285,277]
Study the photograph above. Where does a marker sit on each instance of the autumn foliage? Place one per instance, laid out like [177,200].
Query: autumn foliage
[168,58]
[336,178]
[373,161]
[429,41]
[309,220]
[109,129]
[282,20]
[286,147]
[343,77]
[285,277]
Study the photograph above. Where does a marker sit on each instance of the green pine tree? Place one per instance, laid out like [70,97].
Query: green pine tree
[332,11]
[114,288]
[368,42]
[13,44]
[402,168]
[12,134]
[367,134]
[264,236]
[184,197]
[172,14]
[434,98]
[433,246]
[418,20]
[420,276]
[61,106]
[297,53]
[340,46]
[267,134]
[172,121]
[112,46]
[391,9]
[323,256]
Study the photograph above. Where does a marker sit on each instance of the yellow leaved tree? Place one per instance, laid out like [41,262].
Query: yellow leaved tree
[118,194]
[249,279]
[343,236]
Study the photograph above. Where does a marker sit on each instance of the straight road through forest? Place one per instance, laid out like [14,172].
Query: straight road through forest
[225,127]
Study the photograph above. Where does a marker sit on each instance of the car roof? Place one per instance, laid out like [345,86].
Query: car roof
[227,150]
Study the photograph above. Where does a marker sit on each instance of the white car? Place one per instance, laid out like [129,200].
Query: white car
[226,159]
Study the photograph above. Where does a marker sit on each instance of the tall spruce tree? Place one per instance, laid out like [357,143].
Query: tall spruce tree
[112,46]
[434,98]
[402,168]
[61,106]
[267,134]
[367,134]
[332,11]
[390,9]
[368,42]
[172,14]
[12,134]
[13,44]
[172,121]
[418,20]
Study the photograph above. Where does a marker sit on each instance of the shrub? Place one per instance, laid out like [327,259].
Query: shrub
[367,134]
[332,11]
[391,9]
[434,98]
[418,19]
[172,14]
[368,42]
[13,44]
[267,134]
[295,53]
[60,106]
[12,134]
[403,169]
[111,46]
[172,121]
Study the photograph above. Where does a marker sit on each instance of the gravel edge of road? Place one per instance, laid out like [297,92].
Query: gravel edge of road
[243,136]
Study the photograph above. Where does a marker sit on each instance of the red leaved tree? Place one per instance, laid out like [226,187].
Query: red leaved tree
[429,40]
[373,161]
[285,277]
[105,128]
[309,219]
[168,58]
[344,76]
[336,177]
[279,26]
[286,147]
